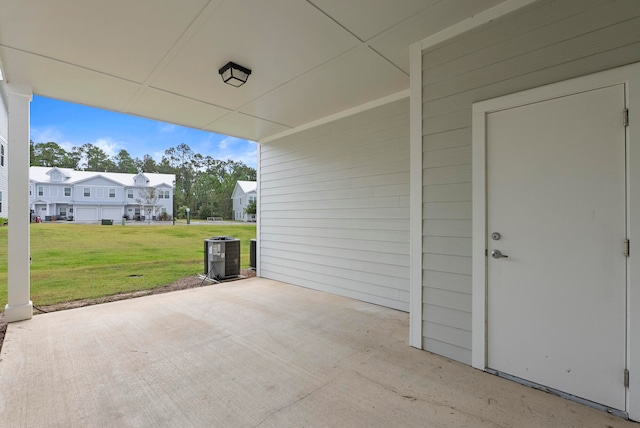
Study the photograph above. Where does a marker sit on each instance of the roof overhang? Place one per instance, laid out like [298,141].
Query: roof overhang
[309,59]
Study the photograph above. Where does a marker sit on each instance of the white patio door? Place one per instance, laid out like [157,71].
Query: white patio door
[556,195]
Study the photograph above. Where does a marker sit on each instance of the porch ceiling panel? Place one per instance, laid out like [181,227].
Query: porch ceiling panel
[160,58]
[64,81]
[122,38]
[355,78]
[381,15]
[175,108]
[279,40]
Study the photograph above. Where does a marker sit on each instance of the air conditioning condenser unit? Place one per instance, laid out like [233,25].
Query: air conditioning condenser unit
[222,257]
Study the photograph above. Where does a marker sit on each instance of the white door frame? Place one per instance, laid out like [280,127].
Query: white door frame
[628,75]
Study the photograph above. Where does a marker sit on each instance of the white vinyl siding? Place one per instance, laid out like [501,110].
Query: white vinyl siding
[546,42]
[334,204]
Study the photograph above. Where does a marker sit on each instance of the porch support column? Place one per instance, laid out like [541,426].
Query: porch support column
[20,306]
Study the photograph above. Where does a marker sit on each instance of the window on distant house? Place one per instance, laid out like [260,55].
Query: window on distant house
[67,191]
[130,194]
[160,194]
[1,154]
[112,193]
[87,192]
[63,211]
[167,194]
[40,190]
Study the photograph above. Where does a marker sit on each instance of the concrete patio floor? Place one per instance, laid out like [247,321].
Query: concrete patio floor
[253,353]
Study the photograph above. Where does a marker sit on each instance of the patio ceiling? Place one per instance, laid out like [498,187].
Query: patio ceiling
[160,58]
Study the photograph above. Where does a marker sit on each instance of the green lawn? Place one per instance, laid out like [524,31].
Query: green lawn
[76,261]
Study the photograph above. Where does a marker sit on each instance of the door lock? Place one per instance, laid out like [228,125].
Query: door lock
[496,236]
[497,254]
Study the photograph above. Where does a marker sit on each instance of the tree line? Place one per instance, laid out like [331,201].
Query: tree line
[202,183]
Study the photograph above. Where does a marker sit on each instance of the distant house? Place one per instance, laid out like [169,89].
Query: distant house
[244,193]
[85,196]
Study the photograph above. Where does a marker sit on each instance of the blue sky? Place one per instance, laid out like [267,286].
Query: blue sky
[72,125]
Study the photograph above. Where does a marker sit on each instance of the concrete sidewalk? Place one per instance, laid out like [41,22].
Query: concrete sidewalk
[252,353]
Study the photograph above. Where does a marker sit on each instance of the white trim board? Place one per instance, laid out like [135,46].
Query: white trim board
[415,192]
[258,199]
[628,75]
[475,21]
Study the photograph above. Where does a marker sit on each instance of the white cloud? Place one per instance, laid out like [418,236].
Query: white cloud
[239,150]
[167,127]
[249,158]
[229,142]
[110,147]
[45,135]
[67,146]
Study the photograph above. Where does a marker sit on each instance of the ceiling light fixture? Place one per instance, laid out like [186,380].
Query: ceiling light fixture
[234,74]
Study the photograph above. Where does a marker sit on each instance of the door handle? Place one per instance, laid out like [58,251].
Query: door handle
[497,254]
